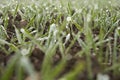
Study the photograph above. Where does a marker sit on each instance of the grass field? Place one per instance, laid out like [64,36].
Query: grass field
[60,40]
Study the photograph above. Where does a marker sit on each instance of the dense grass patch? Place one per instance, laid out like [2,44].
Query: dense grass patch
[59,40]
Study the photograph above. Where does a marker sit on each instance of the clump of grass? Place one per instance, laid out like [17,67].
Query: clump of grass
[63,39]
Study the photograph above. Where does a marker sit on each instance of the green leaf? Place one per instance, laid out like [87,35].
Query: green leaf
[72,74]
[18,35]
[3,33]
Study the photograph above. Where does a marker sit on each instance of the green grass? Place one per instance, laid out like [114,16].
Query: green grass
[49,30]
